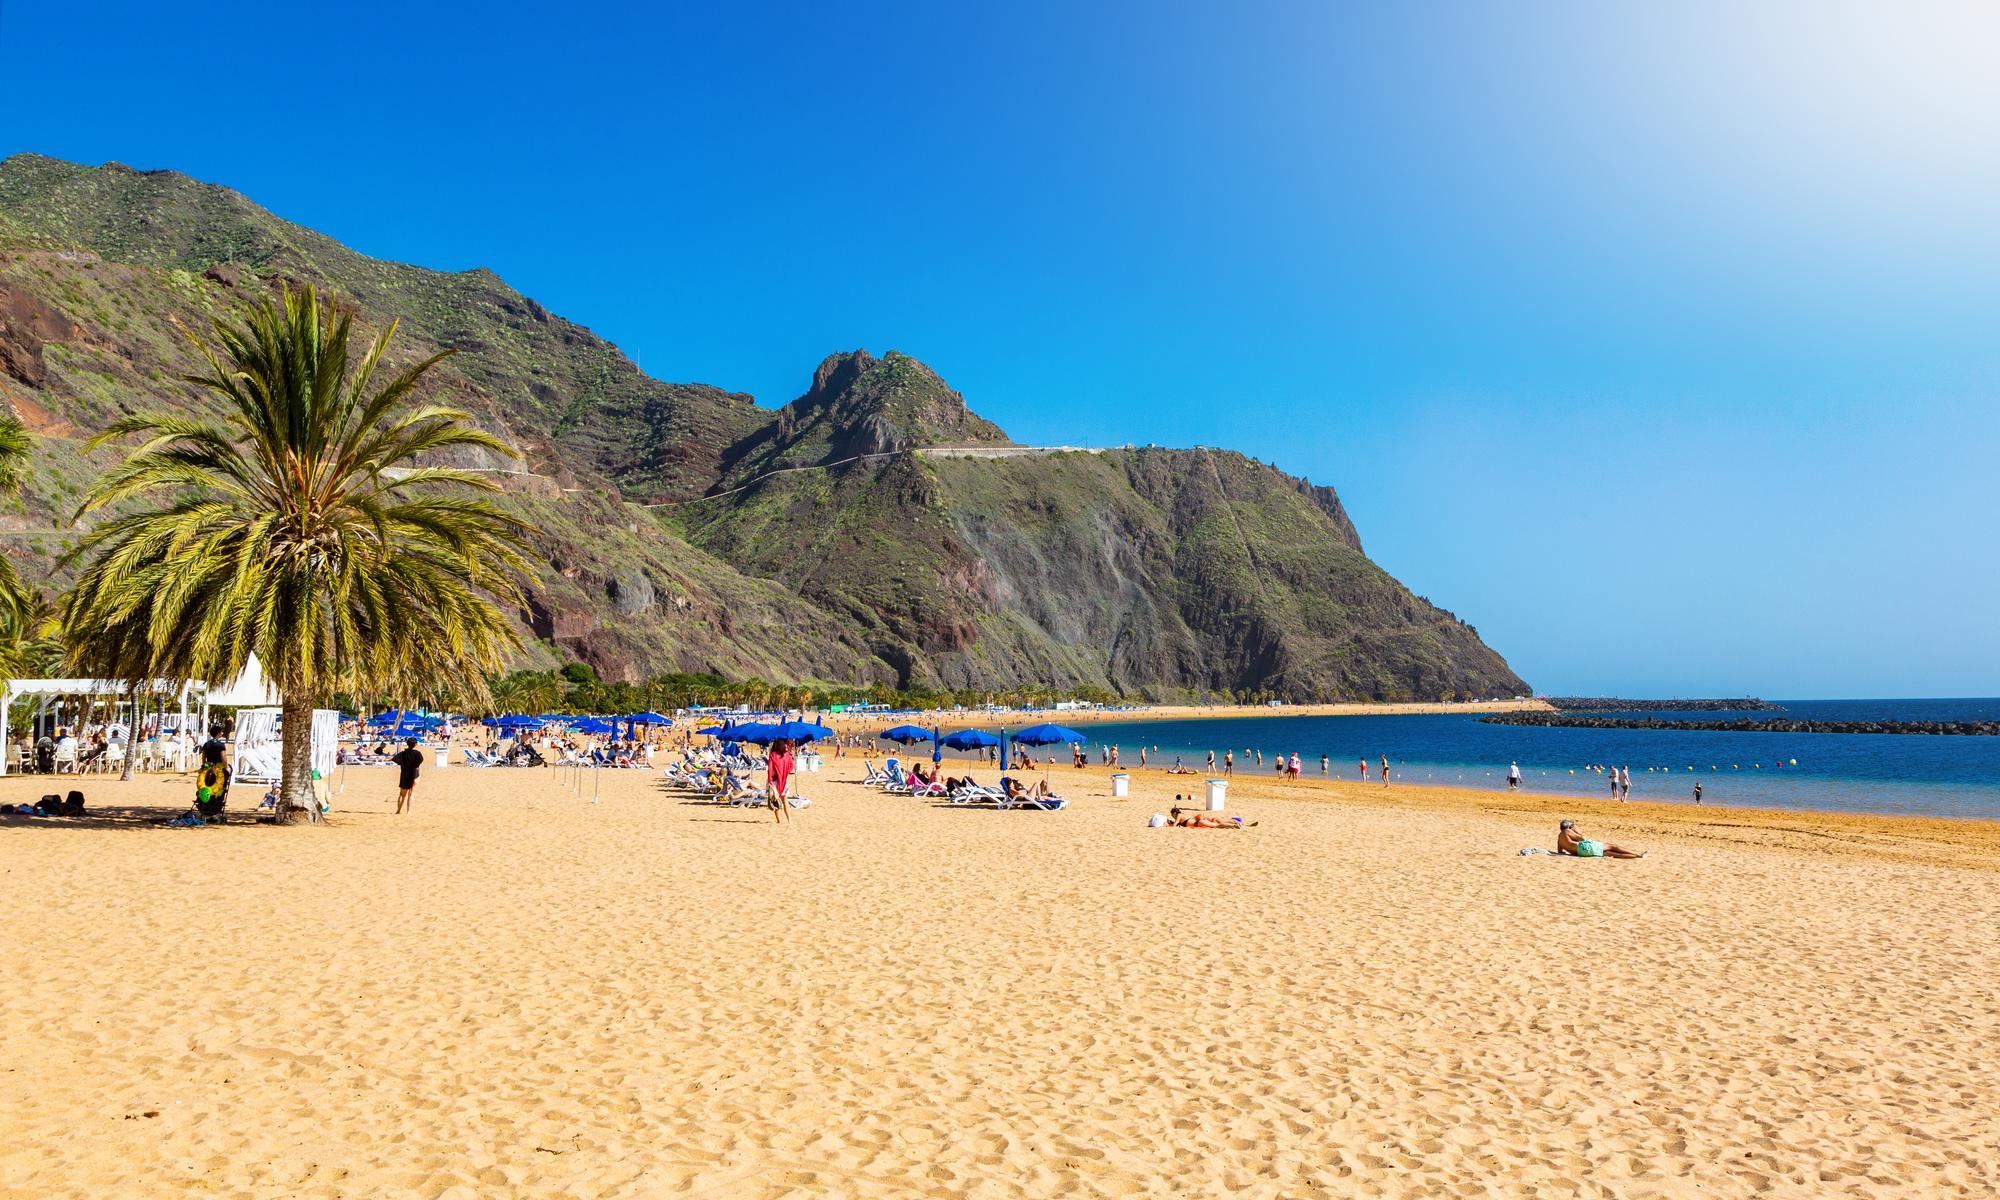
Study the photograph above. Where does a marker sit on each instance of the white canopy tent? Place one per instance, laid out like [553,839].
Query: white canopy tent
[249,688]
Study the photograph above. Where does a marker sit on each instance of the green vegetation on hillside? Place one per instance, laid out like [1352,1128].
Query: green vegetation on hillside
[686,532]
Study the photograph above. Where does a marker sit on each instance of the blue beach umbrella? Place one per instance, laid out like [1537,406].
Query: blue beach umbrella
[801,731]
[761,732]
[646,718]
[970,739]
[1046,735]
[593,725]
[905,734]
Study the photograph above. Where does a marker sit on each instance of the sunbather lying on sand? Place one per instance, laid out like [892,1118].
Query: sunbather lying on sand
[1016,790]
[1570,840]
[1187,819]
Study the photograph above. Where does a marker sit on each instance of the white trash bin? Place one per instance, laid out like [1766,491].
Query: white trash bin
[1121,784]
[1218,790]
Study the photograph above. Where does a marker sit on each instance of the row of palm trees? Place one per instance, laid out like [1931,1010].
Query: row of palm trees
[306,525]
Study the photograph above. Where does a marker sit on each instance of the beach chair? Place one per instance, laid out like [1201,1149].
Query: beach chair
[875,778]
[928,790]
[1045,803]
[979,795]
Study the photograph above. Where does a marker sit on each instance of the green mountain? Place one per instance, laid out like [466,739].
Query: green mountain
[872,530]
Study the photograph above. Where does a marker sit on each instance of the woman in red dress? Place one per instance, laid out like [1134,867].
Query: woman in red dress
[777,774]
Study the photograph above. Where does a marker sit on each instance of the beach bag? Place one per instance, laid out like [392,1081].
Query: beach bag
[73,804]
[1157,821]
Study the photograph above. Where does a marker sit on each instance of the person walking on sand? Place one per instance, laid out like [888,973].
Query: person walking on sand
[1514,777]
[407,760]
[778,774]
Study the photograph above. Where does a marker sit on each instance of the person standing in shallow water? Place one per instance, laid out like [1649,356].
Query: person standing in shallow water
[1229,762]
[1385,770]
[407,761]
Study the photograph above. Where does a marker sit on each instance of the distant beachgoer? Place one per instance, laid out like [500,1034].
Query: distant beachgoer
[1142,756]
[1260,758]
[1385,770]
[1624,783]
[777,775]
[1177,761]
[1697,791]
[1364,770]
[1611,773]
[1114,756]
[1570,840]
[1202,820]
[1325,765]
[1229,762]
[1295,764]
[1211,761]
[1513,776]
[407,761]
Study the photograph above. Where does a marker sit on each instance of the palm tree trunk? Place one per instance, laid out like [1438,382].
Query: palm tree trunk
[131,738]
[295,790]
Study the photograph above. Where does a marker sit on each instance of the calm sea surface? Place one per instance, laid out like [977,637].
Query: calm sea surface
[1883,773]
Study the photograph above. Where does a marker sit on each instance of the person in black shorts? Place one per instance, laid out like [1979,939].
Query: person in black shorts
[407,760]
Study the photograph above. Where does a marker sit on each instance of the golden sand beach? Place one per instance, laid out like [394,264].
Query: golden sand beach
[517,992]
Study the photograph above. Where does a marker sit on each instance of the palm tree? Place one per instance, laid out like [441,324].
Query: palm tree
[15,447]
[298,527]
[29,642]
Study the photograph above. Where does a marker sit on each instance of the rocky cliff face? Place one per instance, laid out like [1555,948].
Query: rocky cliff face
[816,542]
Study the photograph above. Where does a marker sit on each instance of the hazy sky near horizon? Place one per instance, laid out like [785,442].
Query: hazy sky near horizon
[1657,341]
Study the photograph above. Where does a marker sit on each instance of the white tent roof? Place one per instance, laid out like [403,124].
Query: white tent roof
[250,688]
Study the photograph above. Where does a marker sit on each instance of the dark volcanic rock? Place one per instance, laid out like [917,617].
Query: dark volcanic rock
[1616,704]
[631,592]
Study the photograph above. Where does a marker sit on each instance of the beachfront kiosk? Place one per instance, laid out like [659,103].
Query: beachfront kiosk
[249,688]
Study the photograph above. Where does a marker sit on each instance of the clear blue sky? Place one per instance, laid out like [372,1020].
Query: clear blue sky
[1661,342]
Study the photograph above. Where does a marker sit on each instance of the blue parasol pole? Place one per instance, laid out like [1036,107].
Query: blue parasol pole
[1004,744]
[937,747]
